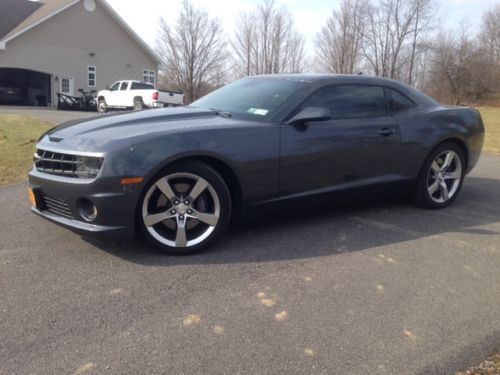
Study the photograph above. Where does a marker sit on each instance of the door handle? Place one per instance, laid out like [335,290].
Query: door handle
[386,132]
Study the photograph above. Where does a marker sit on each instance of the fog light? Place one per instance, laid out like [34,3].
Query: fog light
[87,209]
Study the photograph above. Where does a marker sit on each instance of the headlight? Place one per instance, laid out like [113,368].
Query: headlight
[88,166]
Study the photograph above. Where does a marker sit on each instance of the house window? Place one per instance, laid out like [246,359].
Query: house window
[91,76]
[66,85]
[149,76]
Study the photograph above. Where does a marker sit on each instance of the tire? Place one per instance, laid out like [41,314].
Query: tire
[441,177]
[138,104]
[169,214]
[102,107]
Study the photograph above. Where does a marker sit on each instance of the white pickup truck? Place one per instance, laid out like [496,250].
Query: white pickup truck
[137,95]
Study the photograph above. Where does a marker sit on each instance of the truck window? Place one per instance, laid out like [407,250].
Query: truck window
[141,86]
[115,86]
[124,86]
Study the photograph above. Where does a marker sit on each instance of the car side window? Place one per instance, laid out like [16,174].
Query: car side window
[115,86]
[124,86]
[349,101]
[398,102]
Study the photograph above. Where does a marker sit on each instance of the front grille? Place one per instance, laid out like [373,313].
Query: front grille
[56,163]
[57,206]
[66,164]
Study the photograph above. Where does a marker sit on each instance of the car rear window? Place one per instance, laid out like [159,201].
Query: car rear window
[398,102]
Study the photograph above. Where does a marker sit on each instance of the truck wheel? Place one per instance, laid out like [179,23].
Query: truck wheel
[138,104]
[102,107]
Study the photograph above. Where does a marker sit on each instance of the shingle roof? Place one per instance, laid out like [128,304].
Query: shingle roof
[17,15]
[13,12]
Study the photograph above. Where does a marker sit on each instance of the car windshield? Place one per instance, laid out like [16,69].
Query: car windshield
[253,98]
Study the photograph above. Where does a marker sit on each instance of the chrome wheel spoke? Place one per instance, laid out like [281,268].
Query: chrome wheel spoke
[435,167]
[150,220]
[198,188]
[455,175]
[210,219]
[448,160]
[180,235]
[443,188]
[434,187]
[165,188]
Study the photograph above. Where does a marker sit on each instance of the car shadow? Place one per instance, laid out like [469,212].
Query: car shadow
[337,229]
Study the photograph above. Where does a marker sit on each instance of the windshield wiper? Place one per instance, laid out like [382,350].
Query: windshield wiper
[221,113]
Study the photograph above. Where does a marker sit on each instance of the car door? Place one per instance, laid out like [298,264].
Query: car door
[112,97]
[355,150]
[122,97]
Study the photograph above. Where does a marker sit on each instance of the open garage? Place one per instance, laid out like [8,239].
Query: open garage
[24,87]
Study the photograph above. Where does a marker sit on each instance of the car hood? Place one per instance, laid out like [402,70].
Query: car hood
[96,134]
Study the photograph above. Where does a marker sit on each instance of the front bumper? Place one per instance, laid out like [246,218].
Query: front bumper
[115,204]
[86,229]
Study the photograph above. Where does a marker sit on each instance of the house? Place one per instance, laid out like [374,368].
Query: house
[52,46]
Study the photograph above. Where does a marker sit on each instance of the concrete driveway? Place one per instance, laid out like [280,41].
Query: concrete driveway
[47,114]
[378,288]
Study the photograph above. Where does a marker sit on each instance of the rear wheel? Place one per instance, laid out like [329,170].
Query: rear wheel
[138,104]
[185,208]
[441,177]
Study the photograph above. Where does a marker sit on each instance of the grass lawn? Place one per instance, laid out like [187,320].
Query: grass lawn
[491,119]
[18,136]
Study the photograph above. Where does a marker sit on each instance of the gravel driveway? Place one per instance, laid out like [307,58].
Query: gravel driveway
[47,114]
[377,288]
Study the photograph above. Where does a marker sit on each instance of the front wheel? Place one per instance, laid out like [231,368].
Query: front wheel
[102,107]
[441,177]
[185,208]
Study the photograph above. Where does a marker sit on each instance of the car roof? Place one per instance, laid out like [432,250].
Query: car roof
[324,79]
[314,77]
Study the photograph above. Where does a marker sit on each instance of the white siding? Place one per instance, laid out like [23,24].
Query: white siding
[62,46]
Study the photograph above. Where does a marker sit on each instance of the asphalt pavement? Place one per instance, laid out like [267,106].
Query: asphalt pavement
[376,288]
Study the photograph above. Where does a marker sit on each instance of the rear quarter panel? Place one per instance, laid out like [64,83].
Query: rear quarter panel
[423,129]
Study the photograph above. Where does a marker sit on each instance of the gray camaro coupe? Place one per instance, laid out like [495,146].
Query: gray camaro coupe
[180,175]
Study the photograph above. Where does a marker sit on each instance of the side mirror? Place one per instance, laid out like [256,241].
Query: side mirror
[311,114]
[107,87]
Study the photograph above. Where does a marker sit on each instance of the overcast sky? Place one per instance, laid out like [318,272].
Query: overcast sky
[309,15]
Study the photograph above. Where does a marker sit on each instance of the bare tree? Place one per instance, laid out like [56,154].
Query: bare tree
[489,41]
[243,43]
[490,32]
[266,41]
[456,67]
[194,51]
[423,19]
[338,43]
[392,37]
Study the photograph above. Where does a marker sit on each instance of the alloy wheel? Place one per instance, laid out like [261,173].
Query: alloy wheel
[181,210]
[444,176]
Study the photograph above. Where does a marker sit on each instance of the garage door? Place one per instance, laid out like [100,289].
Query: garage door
[24,87]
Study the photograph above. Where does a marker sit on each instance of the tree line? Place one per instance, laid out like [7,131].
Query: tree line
[398,39]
